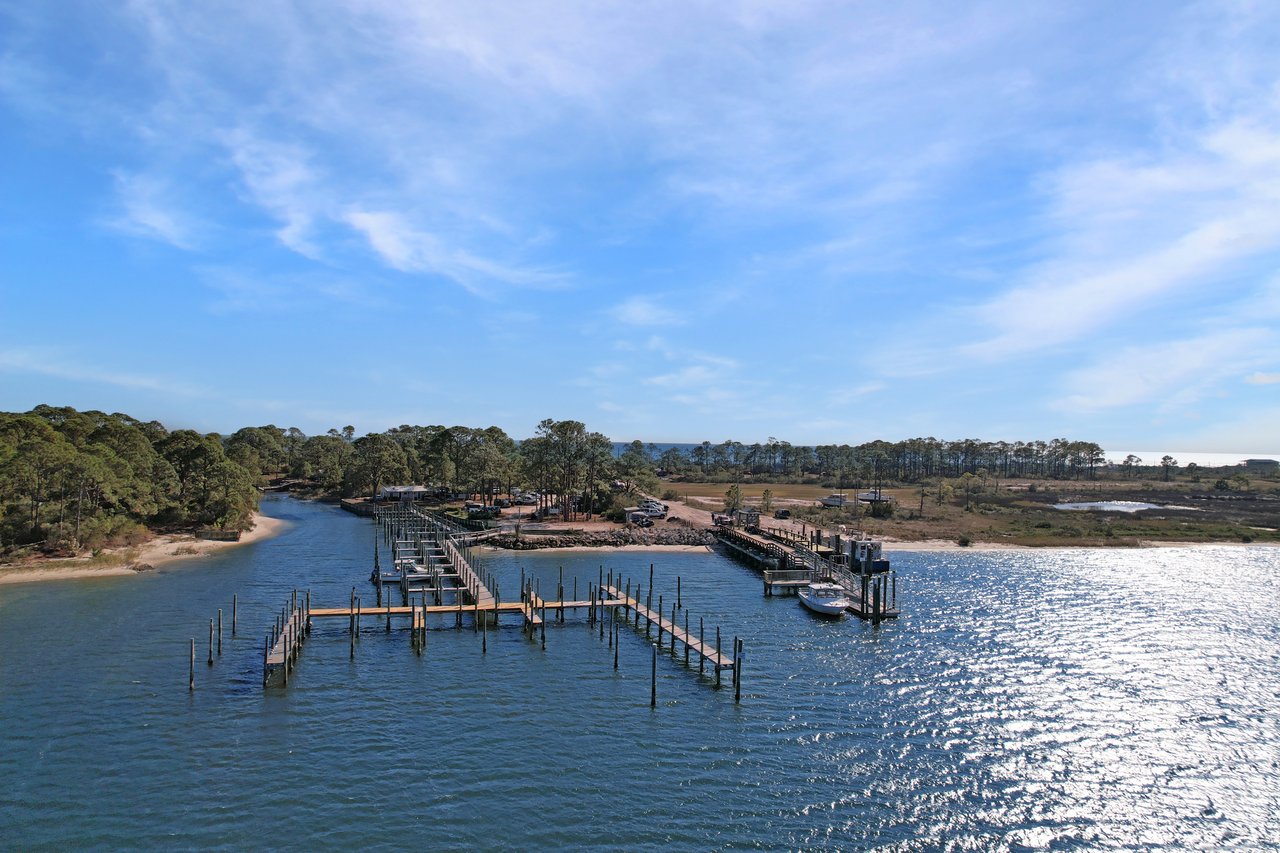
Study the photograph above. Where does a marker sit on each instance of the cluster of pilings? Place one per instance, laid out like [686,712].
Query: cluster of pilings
[191,674]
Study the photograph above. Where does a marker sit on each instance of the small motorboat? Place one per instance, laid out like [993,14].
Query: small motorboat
[828,599]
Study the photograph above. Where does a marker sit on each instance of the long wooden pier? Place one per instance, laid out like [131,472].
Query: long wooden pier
[284,643]
[698,646]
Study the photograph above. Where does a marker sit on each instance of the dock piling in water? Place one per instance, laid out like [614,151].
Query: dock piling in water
[653,680]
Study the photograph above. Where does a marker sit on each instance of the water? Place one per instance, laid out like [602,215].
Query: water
[1110,506]
[1026,700]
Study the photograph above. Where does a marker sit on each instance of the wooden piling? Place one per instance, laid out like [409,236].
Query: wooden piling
[679,594]
[659,620]
[717,656]
[686,638]
[191,674]
[616,643]
[210,642]
[702,659]
[234,602]
[735,662]
[673,630]
[737,672]
[653,680]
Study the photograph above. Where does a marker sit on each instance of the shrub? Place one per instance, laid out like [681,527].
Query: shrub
[670,495]
[964,541]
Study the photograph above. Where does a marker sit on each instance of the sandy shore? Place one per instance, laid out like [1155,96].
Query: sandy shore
[160,551]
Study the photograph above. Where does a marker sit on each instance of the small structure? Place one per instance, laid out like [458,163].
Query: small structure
[404,494]
[1261,466]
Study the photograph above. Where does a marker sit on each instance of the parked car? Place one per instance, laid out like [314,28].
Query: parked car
[782,513]
[527,500]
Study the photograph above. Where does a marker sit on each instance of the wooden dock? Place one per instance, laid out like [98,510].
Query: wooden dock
[788,562]
[697,645]
[284,643]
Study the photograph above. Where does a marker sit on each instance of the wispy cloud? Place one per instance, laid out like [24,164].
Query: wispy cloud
[149,210]
[280,178]
[1166,375]
[257,292]
[645,311]
[409,249]
[1133,233]
[55,364]
[1263,378]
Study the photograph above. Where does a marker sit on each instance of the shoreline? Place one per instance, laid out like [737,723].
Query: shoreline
[161,551]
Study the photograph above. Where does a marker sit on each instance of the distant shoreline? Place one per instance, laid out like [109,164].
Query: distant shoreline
[161,551]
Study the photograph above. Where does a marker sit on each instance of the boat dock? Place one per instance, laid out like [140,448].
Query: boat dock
[789,562]
[436,577]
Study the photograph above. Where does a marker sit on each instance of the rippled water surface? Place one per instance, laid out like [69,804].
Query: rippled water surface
[1027,700]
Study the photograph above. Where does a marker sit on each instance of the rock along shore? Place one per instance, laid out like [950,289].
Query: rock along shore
[604,539]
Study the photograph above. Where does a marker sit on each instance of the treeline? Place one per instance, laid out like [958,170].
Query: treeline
[76,480]
[908,461]
[85,478]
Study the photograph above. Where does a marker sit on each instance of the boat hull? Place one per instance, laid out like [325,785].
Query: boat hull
[823,605]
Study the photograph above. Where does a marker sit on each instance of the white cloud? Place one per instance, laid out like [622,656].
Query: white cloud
[1263,378]
[149,210]
[691,376]
[279,177]
[1166,375]
[645,311]
[54,364]
[1135,233]
[409,249]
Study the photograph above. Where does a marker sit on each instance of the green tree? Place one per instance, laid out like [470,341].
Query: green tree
[376,461]
[733,498]
[1168,463]
[766,501]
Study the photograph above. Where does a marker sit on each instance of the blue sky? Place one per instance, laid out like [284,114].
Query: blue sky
[824,222]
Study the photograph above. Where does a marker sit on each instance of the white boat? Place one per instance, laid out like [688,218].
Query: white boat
[829,599]
[834,500]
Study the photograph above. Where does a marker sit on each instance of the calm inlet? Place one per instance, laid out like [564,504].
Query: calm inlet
[1027,699]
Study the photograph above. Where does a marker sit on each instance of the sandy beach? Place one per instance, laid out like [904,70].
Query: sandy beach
[160,551]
